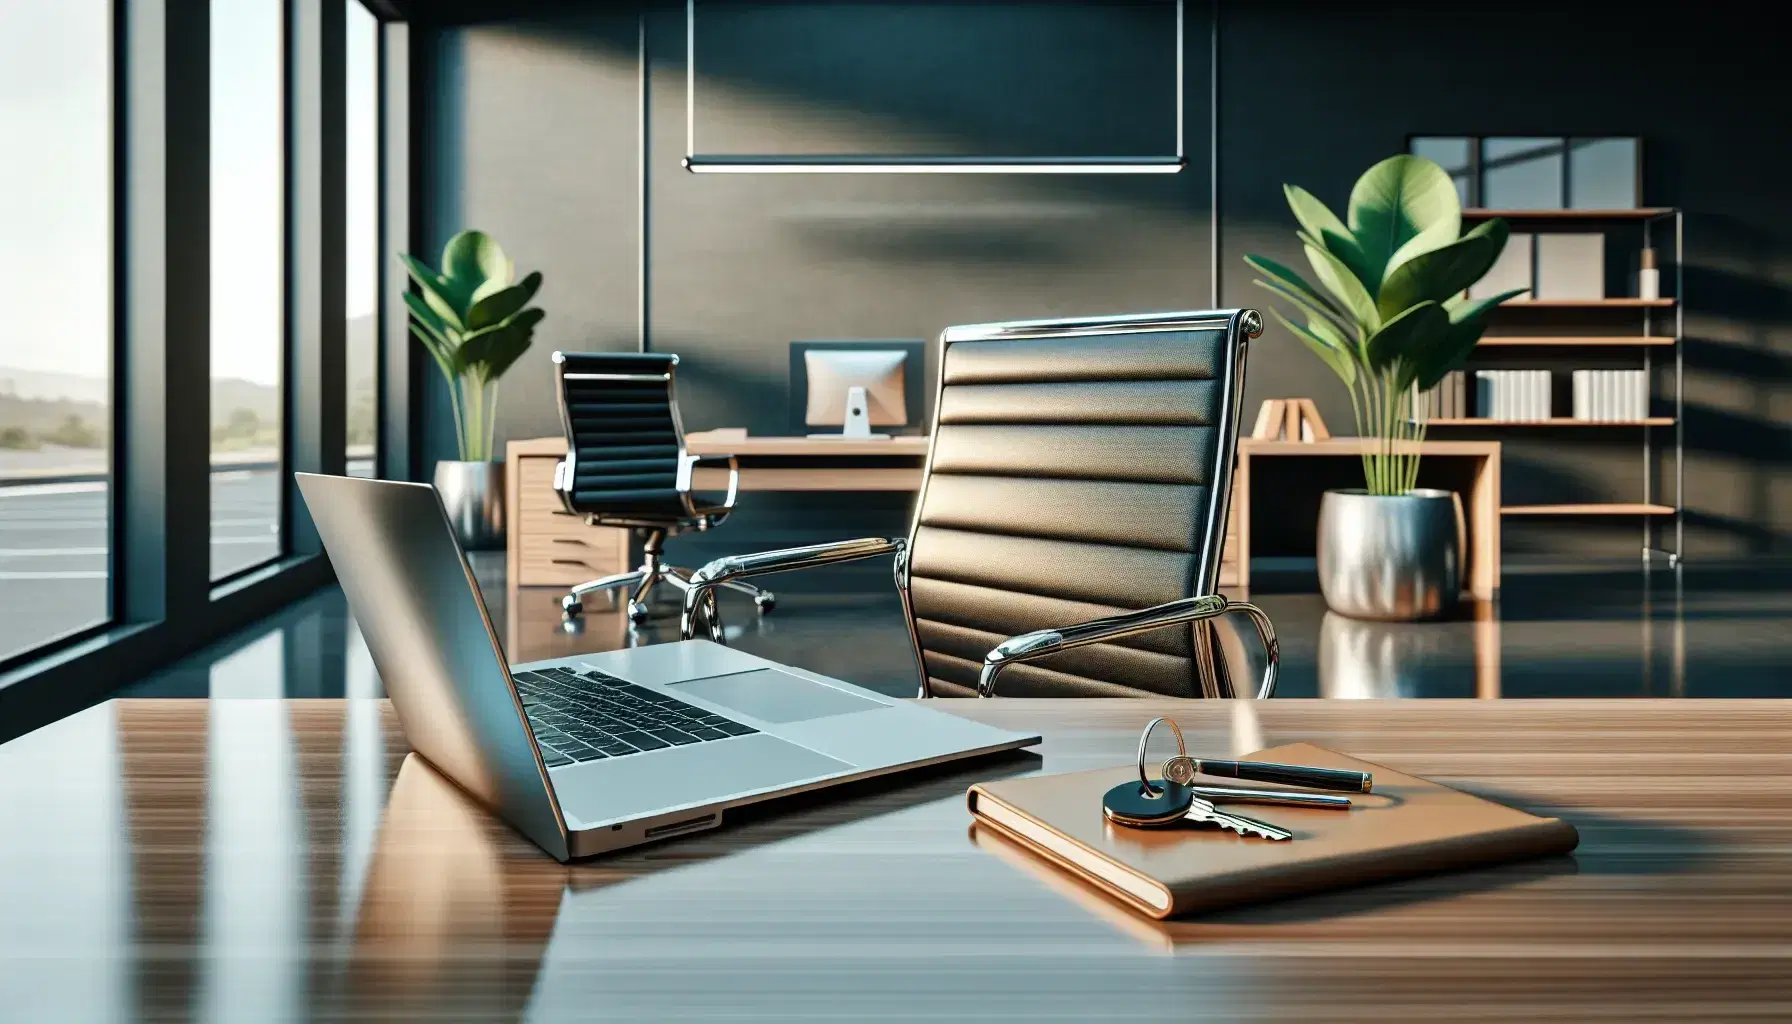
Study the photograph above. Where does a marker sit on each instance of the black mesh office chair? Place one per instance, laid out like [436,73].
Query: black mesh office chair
[626,466]
[1072,510]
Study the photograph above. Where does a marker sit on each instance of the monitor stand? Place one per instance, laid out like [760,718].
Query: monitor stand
[858,420]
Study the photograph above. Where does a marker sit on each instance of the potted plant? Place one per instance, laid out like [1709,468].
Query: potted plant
[1390,317]
[471,318]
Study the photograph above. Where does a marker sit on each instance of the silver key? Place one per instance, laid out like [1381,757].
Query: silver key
[1204,811]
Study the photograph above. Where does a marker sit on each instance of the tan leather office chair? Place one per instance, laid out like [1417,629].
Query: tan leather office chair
[1068,532]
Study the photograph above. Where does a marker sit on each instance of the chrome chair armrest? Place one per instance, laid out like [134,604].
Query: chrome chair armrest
[1040,643]
[562,487]
[687,464]
[701,592]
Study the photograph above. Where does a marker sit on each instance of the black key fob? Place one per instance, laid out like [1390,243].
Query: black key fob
[1136,805]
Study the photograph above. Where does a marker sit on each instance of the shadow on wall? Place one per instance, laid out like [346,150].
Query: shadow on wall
[727,387]
[776,261]
[1738,285]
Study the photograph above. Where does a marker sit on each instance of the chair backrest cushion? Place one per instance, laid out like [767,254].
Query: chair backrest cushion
[1074,475]
[623,433]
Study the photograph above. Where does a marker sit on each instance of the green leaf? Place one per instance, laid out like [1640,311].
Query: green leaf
[1409,341]
[1467,319]
[1290,279]
[506,352]
[1336,356]
[1330,233]
[436,352]
[489,352]
[426,316]
[474,257]
[420,272]
[446,297]
[1306,303]
[1445,271]
[1344,285]
[1462,308]
[486,291]
[502,304]
[1401,199]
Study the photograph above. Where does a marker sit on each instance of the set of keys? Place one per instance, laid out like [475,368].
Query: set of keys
[1165,803]
[1175,797]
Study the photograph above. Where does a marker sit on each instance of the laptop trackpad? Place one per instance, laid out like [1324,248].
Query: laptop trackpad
[773,696]
[596,792]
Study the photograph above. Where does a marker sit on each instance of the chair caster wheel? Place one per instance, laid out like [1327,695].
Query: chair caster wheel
[571,605]
[766,601]
[637,613]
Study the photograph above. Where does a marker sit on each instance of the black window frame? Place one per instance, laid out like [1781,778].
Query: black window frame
[164,604]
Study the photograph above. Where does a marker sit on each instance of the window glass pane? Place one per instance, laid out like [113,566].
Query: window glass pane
[1521,174]
[56,347]
[363,237]
[248,312]
[1453,154]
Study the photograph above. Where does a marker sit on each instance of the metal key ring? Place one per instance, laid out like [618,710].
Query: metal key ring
[1145,737]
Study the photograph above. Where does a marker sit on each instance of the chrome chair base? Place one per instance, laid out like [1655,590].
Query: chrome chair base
[647,578]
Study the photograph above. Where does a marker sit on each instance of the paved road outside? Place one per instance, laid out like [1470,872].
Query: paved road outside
[53,549]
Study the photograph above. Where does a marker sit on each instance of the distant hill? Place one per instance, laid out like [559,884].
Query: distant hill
[41,404]
[54,386]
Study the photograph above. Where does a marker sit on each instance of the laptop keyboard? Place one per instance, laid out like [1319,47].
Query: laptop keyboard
[591,715]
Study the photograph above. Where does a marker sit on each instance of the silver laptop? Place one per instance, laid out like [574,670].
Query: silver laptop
[601,751]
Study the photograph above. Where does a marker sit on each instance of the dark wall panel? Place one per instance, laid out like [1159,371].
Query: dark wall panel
[1314,93]
[745,264]
[531,128]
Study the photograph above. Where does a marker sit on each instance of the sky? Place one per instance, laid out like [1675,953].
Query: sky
[55,173]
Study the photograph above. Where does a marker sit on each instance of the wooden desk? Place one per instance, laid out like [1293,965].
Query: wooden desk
[269,860]
[1471,468]
[553,550]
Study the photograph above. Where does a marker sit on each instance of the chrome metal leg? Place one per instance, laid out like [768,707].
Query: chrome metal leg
[637,602]
[763,599]
[573,603]
[700,603]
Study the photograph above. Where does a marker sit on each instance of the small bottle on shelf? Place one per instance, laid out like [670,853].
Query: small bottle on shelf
[1648,279]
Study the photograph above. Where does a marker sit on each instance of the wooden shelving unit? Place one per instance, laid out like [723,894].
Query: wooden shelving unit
[1638,213]
[1613,508]
[1656,343]
[1588,304]
[1542,341]
[1554,421]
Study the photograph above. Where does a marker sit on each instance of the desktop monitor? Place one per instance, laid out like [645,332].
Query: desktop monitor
[855,389]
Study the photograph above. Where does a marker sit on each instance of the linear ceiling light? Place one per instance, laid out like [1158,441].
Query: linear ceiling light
[931,165]
[897,164]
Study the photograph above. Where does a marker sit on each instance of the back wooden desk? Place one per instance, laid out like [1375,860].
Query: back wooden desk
[548,548]
[284,860]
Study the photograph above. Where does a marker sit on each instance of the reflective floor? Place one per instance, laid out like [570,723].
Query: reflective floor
[1618,633]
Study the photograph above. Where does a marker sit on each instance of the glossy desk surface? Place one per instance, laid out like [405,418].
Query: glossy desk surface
[262,860]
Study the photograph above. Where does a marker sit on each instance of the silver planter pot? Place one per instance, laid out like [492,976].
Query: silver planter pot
[1390,557]
[473,495]
[1363,659]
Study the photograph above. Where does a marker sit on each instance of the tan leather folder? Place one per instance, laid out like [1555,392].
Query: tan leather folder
[1407,826]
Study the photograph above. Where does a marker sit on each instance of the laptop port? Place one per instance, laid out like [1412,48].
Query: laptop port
[686,825]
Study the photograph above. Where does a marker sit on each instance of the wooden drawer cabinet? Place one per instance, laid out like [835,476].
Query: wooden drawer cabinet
[547,547]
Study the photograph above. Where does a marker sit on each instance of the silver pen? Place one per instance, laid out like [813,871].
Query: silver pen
[1280,797]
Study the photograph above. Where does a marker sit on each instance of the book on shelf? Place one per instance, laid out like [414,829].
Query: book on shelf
[1512,395]
[1444,400]
[1606,396]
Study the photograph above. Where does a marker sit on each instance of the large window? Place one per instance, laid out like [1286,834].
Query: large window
[248,280]
[362,230]
[56,343]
